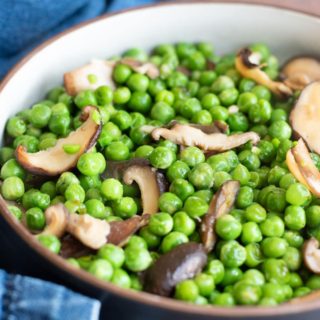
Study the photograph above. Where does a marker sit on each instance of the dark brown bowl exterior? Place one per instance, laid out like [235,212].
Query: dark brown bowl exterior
[21,253]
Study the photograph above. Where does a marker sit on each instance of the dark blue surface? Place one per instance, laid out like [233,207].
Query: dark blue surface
[26,23]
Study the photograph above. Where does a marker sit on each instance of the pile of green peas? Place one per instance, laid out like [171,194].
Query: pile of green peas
[258,257]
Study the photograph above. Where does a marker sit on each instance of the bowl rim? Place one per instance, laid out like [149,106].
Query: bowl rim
[307,304]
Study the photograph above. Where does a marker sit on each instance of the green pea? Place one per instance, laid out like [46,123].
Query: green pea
[50,242]
[161,224]
[186,290]
[205,283]
[254,276]
[302,291]
[138,82]
[201,176]
[162,112]
[113,254]
[292,258]
[261,92]
[91,164]
[238,122]
[35,219]
[140,102]
[222,83]
[117,151]
[6,154]
[95,208]
[249,159]
[195,207]
[16,127]
[165,96]
[272,226]
[220,178]
[228,227]
[150,238]
[246,85]
[287,180]
[121,73]
[278,114]
[295,280]
[250,233]
[246,294]
[254,255]
[260,112]
[125,207]
[209,101]
[182,188]
[224,299]
[190,107]
[169,202]
[29,142]
[66,179]
[137,259]
[89,182]
[172,240]
[101,269]
[12,188]
[202,117]
[297,194]
[313,282]
[293,238]
[276,200]
[231,276]
[295,218]
[85,98]
[40,115]
[205,195]
[245,100]
[245,197]
[232,254]
[162,157]
[228,96]
[111,189]
[274,247]
[219,113]
[143,151]
[274,291]
[280,130]
[12,168]
[183,223]
[192,156]
[15,211]
[241,173]
[276,270]
[75,192]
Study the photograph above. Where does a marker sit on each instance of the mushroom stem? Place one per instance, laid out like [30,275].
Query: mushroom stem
[252,70]
[311,255]
[146,179]
[221,203]
[189,136]
[303,168]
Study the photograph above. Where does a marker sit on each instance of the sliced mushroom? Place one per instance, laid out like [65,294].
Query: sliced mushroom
[307,168]
[294,168]
[116,169]
[189,136]
[55,160]
[181,263]
[148,68]
[146,178]
[90,231]
[305,116]
[216,127]
[120,231]
[247,64]
[57,217]
[311,255]
[89,76]
[300,71]
[221,204]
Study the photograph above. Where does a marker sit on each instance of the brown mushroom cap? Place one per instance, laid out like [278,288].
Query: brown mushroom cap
[57,217]
[55,160]
[73,248]
[79,79]
[181,263]
[146,179]
[307,168]
[187,135]
[311,255]
[120,231]
[305,116]
[298,72]
[247,65]
[221,203]
[148,68]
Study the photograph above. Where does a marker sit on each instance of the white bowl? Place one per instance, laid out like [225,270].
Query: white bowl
[228,26]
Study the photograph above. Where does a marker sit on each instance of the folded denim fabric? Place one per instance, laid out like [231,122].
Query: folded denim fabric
[26,23]
[26,298]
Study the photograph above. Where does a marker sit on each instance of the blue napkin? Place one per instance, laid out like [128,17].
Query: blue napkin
[23,25]
[26,23]
[26,298]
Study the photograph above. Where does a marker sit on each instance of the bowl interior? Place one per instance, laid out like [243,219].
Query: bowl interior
[228,26]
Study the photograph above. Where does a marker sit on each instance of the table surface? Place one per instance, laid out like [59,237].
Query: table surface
[307,6]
